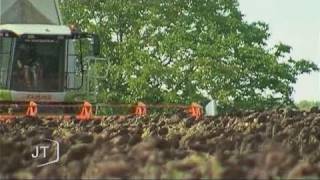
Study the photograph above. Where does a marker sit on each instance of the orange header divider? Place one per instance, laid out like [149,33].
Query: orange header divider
[140,109]
[86,112]
[32,110]
[195,111]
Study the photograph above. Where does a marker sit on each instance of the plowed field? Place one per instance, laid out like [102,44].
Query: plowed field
[252,145]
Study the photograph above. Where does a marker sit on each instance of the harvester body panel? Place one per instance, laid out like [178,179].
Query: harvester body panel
[30,12]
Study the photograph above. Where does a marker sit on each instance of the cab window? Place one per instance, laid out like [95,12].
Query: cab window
[5,51]
[38,65]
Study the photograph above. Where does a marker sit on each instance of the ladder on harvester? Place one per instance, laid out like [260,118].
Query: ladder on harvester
[97,70]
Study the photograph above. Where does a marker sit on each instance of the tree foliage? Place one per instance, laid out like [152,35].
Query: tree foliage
[173,51]
[307,105]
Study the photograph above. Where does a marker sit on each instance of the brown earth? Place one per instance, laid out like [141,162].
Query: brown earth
[250,145]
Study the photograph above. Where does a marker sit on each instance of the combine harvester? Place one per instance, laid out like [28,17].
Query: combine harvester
[42,64]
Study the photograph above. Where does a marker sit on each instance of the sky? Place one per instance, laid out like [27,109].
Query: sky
[296,23]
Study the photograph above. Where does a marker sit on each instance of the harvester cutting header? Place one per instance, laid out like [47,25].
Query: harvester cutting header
[41,59]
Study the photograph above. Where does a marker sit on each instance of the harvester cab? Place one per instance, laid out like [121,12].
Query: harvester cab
[40,58]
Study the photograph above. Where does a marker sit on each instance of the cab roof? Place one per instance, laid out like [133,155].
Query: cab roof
[35,29]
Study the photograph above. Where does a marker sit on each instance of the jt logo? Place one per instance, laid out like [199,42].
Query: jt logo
[43,150]
[36,154]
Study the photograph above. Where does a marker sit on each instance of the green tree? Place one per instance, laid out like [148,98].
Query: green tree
[307,105]
[172,51]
